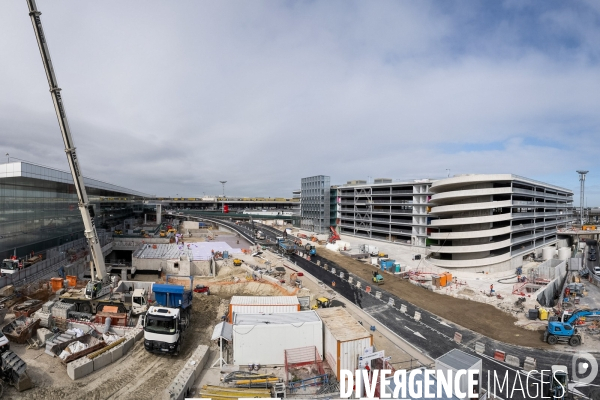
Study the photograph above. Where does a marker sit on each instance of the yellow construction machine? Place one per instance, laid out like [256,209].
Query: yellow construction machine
[237,262]
[322,302]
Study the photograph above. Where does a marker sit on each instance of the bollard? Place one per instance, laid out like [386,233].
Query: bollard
[479,348]
[358,284]
[319,263]
[350,279]
[378,295]
[333,271]
[342,275]
[457,337]
[403,308]
[325,266]
[417,316]
[391,302]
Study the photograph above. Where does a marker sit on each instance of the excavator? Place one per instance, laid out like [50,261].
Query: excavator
[100,284]
[565,331]
[333,236]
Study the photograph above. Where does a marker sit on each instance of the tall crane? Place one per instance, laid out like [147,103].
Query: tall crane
[100,283]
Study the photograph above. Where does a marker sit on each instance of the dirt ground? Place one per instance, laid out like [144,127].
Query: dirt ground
[137,375]
[482,318]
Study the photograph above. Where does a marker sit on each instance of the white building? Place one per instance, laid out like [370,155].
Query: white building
[385,210]
[491,221]
[263,338]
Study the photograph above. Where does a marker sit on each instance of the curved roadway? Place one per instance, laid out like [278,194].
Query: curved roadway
[432,335]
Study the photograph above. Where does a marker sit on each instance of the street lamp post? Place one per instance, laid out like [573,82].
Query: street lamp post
[223,183]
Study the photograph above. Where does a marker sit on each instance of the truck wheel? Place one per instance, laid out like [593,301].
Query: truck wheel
[177,350]
[575,341]
[552,339]
[85,308]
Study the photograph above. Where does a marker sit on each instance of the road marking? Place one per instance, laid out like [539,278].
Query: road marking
[416,333]
[441,322]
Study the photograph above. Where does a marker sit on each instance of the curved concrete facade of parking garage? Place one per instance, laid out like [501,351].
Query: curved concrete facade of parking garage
[490,222]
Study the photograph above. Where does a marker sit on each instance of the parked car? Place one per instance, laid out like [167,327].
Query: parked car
[592,250]
[597,270]
[592,257]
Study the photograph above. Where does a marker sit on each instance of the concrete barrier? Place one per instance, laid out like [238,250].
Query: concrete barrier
[378,295]
[358,284]
[350,279]
[457,337]
[318,263]
[117,352]
[188,374]
[512,360]
[342,275]
[479,348]
[79,368]
[530,364]
[391,302]
[403,308]
[499,355]
[333,270]
[102,360]
[417,316]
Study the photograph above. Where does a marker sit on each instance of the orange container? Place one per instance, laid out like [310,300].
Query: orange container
[448,278]
[443,279]
[72,279]
[57,284]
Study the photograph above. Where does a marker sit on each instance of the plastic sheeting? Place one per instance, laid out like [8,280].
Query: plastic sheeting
[73,348]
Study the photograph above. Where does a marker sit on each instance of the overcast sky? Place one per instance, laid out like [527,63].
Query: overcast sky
[171,97]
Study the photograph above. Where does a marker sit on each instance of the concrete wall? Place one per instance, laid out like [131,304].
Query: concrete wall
[546,296]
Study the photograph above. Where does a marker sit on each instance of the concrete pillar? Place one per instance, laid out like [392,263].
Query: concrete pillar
[159,214]
[145,218]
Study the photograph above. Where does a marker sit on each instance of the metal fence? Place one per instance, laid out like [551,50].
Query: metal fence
[57,257]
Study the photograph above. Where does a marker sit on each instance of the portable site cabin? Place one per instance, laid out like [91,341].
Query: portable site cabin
[263,338]
[262,305]
[344,339]
[456,360]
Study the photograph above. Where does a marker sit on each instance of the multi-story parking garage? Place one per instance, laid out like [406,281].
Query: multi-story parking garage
[385,210]
[493,221]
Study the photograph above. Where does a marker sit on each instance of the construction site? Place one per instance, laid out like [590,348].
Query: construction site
[111,293]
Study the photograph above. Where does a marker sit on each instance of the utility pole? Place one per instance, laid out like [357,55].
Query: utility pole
[448,170]
[581,194]
[223,183]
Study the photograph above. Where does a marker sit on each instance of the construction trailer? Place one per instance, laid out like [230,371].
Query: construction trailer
[262,305]
[456,360]
[344,339]
[263,338]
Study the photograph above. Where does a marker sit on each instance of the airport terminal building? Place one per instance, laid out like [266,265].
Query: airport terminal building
[38,207]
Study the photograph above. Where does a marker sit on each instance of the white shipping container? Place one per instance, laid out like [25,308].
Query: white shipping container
[263,339]
[344,339]
[456,360]
[262,305]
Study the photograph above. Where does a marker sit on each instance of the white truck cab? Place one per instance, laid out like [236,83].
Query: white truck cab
[139,302]
[162,330]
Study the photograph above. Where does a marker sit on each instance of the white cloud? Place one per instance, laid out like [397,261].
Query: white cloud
[173,97]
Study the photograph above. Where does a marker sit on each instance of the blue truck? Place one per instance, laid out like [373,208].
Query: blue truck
[167,319]
[287,246]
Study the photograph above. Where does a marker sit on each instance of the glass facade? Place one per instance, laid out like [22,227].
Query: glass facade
[38,207]
[315,201]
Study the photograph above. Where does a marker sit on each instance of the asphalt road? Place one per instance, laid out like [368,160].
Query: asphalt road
[435,337]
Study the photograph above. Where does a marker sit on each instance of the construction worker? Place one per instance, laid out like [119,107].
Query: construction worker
[491,289]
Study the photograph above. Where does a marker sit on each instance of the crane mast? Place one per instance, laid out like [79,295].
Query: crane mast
[86,209]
